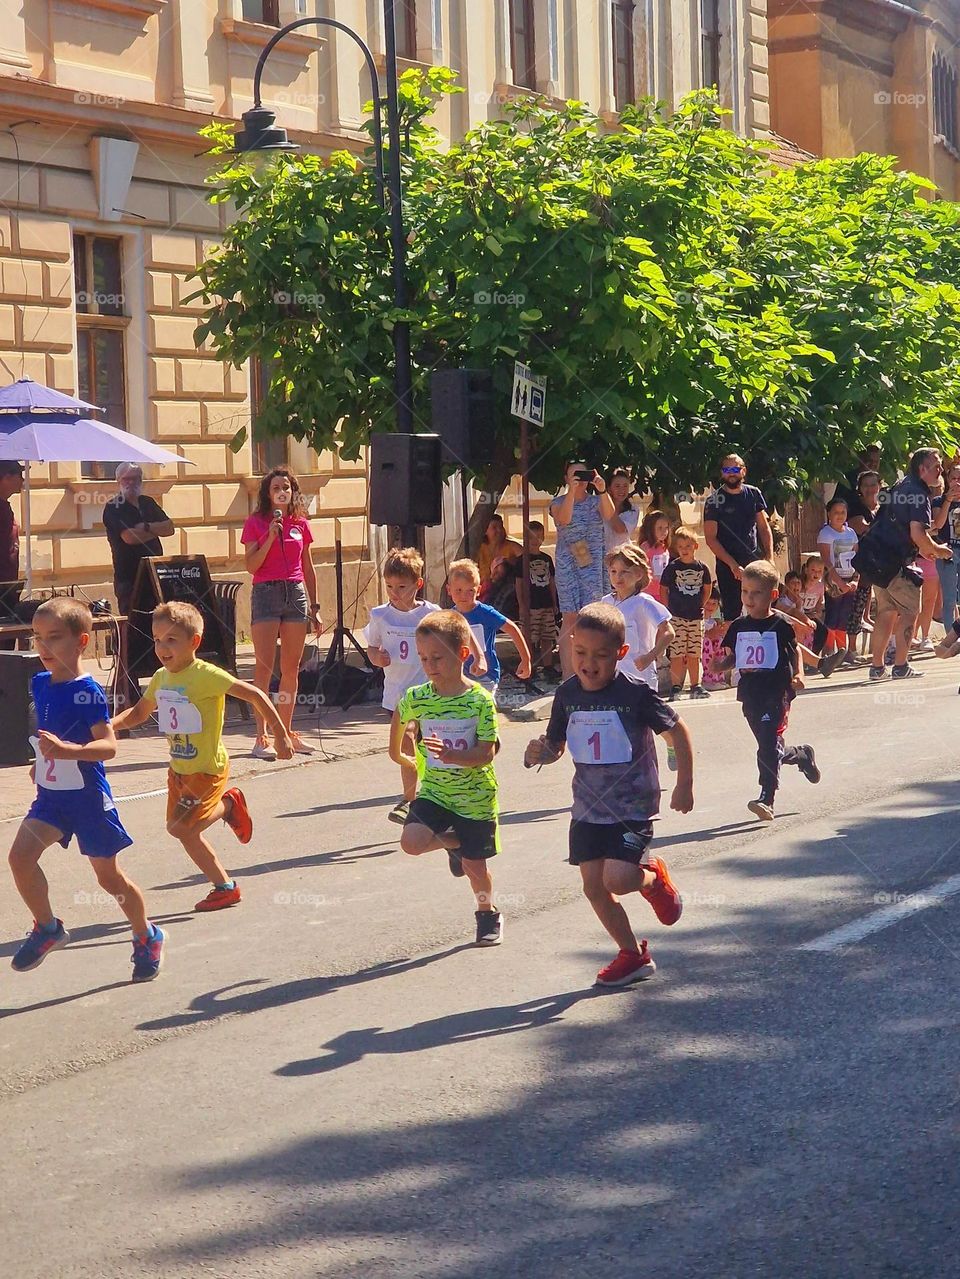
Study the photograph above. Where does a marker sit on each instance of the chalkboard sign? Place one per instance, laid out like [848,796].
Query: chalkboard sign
[161,579]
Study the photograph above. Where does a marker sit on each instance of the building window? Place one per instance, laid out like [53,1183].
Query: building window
[945,101]
[406,27]
[268,450]
[523,53]
[710,44]
[101,322]
[622,24]
[265,11]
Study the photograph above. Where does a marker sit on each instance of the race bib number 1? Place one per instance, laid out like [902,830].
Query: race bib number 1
[756,651]
[56,774]
[598,737]
[177,714]
[456,734]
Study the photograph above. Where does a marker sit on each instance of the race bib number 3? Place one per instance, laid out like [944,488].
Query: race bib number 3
[756,651]
[56,774]
[177,714]
[598,737]
[456,734]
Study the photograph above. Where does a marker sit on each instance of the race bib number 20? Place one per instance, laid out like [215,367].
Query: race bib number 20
[757,651]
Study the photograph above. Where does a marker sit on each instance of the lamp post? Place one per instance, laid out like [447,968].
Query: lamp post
[262,133]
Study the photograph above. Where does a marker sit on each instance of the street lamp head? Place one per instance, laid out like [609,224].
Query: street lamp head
[261,132]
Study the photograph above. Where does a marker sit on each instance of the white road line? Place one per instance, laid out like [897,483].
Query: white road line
[857,929]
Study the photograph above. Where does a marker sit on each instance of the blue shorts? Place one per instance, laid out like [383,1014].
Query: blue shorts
[90,815]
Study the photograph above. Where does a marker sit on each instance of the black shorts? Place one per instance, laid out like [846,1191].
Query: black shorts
[478,839]
[620,841]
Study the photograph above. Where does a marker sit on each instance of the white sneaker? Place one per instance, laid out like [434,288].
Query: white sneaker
[263,750]
[300,747]
[925,645]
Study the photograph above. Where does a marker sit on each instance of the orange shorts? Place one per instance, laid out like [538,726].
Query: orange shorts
[193,798]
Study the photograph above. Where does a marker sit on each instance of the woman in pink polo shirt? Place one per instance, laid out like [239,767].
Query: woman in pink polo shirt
[276,540]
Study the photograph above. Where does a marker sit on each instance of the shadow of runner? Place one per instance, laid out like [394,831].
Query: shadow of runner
[458,1028]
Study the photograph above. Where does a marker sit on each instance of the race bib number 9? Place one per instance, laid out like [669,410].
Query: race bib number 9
[56,774]
[401,646]
[598,737]
[756,651]
[177,714]
[456,734]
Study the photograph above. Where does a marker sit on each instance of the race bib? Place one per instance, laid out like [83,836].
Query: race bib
[480,637]
[177,714]
[810,603]
[56,774]
[456,734]
[598,737]
[400,645]
[756,651]
[658,562]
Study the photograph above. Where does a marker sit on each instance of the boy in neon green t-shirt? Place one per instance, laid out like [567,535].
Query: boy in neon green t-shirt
[188,697]
[457,801]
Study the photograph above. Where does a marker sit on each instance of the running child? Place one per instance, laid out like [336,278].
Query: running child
[463,584]
[762,646]
[391,645]
[455,722]
[188,696]
[607,721]
[686,585]
[74,741]
[648,627]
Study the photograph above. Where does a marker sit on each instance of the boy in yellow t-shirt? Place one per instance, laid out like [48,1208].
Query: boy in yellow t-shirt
[188,696]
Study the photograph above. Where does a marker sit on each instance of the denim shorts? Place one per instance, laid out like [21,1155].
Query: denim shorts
[279,602]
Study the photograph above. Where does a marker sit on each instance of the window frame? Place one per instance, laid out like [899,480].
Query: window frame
[524,77]
[259,380]
[88,324]
[622,14]
[270,16]
[406,29]
[945,85]
[711,43]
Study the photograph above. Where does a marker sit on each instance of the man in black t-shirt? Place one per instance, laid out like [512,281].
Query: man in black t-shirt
[737,530]
[134,524]
[763,647]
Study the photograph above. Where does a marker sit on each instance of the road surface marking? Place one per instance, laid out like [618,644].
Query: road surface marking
[857,929]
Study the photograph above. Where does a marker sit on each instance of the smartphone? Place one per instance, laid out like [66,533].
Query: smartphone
[584,476]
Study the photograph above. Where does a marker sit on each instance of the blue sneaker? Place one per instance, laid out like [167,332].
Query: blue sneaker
[38,946]
[148,955]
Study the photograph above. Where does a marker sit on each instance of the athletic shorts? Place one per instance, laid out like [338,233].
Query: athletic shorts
[900,595]
[688,641]
[279,602]
[193,798]
[478,839]
[618,841]
[543,630]
[90,815]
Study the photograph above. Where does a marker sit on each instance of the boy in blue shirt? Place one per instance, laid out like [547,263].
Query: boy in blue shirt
[73,795]
[463,584]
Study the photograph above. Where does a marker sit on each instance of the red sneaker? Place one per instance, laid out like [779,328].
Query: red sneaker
[628,967]
[662,895]
[238,816]
[220,898]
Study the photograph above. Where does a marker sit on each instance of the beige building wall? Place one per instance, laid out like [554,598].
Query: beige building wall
[152,73]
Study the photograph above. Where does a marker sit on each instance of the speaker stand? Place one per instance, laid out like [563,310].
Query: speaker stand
[334,664]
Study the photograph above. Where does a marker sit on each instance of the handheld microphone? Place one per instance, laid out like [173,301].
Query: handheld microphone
[278,514]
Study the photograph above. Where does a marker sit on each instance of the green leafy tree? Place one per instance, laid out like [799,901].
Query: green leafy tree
[679,295]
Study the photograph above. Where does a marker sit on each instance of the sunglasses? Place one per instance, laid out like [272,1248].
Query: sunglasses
[730,470]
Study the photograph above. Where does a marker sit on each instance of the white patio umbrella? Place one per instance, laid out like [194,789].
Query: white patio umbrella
[65,436]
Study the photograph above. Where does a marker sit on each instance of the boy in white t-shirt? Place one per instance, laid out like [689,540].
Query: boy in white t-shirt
[391,645]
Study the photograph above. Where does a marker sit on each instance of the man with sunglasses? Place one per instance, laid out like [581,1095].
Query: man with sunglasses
[737,530]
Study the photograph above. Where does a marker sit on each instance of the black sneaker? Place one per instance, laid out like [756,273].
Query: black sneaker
[674,694]
[808,765]
[698,692]
[829,664]
[878,673]
[400,812]
[906,671]
[455,862]
[489,927]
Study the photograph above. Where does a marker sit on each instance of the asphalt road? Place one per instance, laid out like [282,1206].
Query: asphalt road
[331,1081]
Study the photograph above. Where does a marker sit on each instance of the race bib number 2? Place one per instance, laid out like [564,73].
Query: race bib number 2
[598,737]
[56,774]
[757,651]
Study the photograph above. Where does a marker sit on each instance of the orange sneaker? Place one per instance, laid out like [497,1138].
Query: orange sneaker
[220,898]
[238,815]
[662,895]
[628,967]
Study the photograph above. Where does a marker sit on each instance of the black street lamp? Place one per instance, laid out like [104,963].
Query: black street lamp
[262,133]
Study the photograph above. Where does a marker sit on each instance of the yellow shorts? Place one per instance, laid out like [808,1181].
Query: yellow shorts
[193,798]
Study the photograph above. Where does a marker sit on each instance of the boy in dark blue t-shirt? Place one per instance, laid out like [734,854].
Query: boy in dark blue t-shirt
[73,794]
[463,583]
